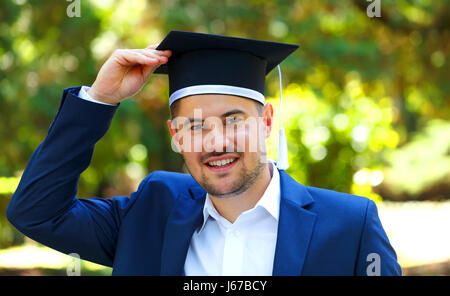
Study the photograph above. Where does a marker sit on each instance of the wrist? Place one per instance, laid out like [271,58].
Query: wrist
[94,95]
[83,94]
[101,99]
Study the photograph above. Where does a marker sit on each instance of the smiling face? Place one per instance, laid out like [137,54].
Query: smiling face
[222,140]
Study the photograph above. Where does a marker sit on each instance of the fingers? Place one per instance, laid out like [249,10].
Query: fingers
[127,57]
[162,57]
[153,47]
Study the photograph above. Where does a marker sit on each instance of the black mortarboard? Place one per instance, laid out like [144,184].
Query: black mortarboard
[206,63]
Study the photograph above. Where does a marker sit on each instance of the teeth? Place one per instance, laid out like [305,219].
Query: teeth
[220,163]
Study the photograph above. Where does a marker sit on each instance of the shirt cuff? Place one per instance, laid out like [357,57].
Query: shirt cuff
[85,96]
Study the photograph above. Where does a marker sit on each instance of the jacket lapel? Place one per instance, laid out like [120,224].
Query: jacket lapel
[294,228]
[186,216]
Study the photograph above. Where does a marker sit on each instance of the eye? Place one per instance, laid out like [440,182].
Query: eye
[232,120]
[196,127]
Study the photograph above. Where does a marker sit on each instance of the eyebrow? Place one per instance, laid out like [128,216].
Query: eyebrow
[224,115]
[192,120]
[233,112]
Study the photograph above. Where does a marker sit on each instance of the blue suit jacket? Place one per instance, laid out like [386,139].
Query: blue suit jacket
[320,232]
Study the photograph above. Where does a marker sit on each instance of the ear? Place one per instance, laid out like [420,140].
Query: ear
[267,116]
[174,143]
[171,129]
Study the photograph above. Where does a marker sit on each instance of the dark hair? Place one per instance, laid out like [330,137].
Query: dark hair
[173,109]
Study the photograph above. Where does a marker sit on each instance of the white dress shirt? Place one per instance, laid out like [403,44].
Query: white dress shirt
[245,247]
[84,95]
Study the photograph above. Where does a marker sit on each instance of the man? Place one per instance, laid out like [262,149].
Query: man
[236,213]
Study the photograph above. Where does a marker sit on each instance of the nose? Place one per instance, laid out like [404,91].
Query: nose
[216,140]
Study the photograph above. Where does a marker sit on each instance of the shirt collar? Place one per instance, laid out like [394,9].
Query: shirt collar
[271,197]
[270,200]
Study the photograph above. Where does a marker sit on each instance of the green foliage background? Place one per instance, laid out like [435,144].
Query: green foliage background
[366,100]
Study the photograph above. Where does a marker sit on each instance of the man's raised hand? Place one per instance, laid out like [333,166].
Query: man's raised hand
[125,73]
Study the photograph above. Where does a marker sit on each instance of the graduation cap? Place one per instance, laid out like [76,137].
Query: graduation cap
[215,64]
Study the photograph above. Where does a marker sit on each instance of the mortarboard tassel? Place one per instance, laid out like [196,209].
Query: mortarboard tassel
[282,162]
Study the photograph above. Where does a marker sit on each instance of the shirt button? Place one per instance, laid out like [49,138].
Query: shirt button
[237,233]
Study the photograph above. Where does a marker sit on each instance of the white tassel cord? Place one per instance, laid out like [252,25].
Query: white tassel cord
[282,161]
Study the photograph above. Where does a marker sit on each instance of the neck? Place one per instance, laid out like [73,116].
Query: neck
[231,208]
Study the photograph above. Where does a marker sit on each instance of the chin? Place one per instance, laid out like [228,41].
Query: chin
[221,188]
[222,185]
[218,188]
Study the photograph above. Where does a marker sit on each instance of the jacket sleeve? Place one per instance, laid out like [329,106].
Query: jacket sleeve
[376,255]
[44,206]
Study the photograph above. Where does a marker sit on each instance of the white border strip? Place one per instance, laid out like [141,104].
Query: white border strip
[217,89]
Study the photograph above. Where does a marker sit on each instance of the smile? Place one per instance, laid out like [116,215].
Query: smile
[222,164]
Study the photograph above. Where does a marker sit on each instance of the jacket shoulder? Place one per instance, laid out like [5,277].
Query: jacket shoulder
[172,183]
[336,198]
[338,206]
[170,177]
[159,190]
